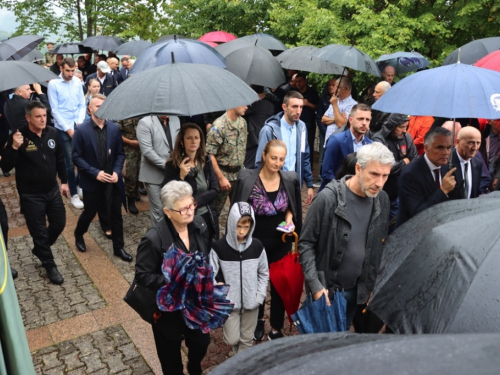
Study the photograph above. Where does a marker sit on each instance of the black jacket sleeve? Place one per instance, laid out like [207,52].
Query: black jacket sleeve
[149,259]
[60,162]
[9,156]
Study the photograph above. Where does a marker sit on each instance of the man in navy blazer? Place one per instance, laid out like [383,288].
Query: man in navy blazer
[427,180]
[98,154]
[463,157]
[342,144]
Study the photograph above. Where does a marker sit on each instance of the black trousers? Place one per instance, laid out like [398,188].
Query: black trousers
[169,351]
[311,134]
[277,310]
[38,208]
[94,202]
[4,223]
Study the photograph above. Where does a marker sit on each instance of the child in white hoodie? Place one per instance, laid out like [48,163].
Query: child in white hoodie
[240,261]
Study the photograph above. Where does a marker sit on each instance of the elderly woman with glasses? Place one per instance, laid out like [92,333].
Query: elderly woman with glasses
[185,230]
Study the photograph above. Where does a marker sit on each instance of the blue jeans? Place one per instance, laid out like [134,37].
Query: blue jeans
[70,168]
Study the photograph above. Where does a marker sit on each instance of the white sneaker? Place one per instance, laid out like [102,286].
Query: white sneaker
[79,192]
[76,202]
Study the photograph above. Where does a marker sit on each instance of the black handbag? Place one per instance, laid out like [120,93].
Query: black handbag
[143,301]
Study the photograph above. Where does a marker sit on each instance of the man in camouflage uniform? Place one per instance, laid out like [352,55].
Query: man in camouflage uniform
[133,158]
[226,143]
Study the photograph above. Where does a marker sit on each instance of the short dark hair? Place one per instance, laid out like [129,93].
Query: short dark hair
[258,89]
[301,75]
[102,56]
[431,134]
[359,107]
[69,62]
[292,95]
[125,58]
[245,220]
[32,105]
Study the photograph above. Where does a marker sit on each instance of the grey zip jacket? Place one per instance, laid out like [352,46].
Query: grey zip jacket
[325,234]
[241,265]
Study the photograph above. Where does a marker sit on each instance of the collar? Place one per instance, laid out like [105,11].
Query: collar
[431,165]
[462,160]
[285,123]
[354,138]
[346,99]
[94,125]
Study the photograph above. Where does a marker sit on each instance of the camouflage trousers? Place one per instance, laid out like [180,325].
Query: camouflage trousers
[220,201]
[133,162]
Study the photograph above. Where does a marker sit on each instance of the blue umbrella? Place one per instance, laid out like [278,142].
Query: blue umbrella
[452,91]
[403,62]
[318,317]
[183,51]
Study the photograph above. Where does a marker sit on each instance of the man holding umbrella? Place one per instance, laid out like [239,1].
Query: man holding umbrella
[98,154]
[342,236]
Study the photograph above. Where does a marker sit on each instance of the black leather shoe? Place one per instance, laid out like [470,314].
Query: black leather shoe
[124,255]
[137,197]
[131,206]
[142,190]
[14,273]
[80,244]
[6,174]
[54,275]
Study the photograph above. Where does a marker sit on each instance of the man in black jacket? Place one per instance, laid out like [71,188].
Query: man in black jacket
[108,82]
[36,153]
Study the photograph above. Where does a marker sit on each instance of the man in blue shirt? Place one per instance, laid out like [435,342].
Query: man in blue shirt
[68,110]
[288,127]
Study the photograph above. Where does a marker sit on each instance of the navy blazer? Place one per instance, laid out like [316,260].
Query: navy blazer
[418,190]
[476,166]
[337,148]
[85,154]
[123,72]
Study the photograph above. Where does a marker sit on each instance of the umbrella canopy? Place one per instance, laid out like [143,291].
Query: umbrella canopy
[71,48]
[348,57]
[170,37]
[102,42]
[132,48]
[182,50]
[17,73]
[217,37]
[299,58]
[211,44]
[33,56]
[177,89]
[452,91]
[265,41]
[350,353]
[255,65]
[317,316]
[19,46]
[403,62]
[445,279]
[473,51]
[490,61]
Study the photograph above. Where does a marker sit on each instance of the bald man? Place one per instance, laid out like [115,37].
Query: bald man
[378,117]
[388,74]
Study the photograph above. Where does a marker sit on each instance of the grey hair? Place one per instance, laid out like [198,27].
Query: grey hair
[431,134]
[345,82]
[78,71]
[384,86]
[375,152]
[174,191]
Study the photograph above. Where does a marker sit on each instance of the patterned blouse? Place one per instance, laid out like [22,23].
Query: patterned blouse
[261,203]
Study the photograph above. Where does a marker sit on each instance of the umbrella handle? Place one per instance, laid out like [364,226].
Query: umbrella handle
[283,238]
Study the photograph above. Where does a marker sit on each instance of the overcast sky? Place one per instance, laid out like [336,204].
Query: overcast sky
[7,20]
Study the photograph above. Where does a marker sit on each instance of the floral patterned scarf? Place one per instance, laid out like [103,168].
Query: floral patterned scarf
[261,203]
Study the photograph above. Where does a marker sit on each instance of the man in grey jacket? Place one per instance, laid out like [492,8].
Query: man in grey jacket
[342,237]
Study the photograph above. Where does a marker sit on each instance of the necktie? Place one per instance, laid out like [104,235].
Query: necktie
[466,180]
[436,176]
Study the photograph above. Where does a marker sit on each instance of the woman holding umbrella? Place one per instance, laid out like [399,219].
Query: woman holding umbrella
[188,232]
[275,197]
[189,162]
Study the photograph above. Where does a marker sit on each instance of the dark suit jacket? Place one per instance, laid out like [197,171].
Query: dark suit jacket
[418,190]
[337,148]
[246,181]
[85,154]
[107,86]
[476,176]
[123,73]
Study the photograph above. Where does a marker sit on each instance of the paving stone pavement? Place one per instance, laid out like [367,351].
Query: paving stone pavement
[109,351]
[82,327]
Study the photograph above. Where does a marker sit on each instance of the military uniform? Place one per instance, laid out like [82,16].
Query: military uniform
[227,142]
[132,155]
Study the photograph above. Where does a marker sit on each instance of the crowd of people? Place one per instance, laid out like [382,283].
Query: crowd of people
[376,171]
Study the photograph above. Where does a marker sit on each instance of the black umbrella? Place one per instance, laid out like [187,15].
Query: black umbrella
[33,56]
[19,46]
[348,353]
[102,42]
[71,48]
[299,58]
[17,73]
[133,48]
[262,40]
[255,65]
[471,52]
[439,271]
[180,89]
[170,37]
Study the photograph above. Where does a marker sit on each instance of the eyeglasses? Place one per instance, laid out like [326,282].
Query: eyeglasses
[184,211]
